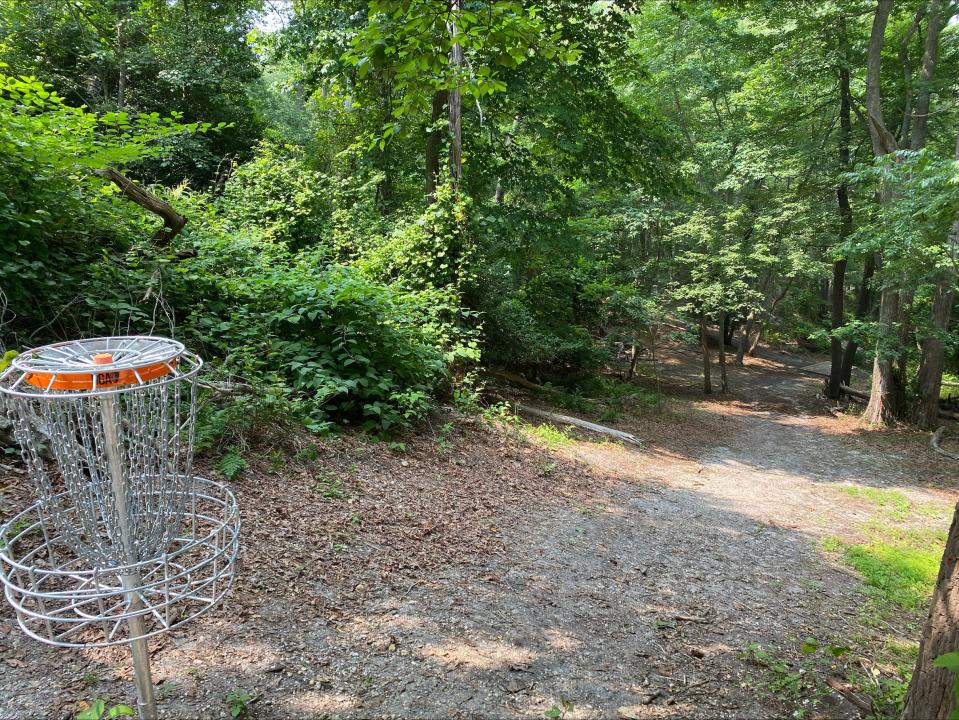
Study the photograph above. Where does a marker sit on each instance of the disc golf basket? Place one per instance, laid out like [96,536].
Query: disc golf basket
[124,542]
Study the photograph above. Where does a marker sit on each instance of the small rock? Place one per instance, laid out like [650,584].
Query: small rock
[275,667]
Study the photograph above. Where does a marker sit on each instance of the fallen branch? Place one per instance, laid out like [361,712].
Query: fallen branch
[854,393]
[863,703]
[517,379]
[173,221]
[936,444]
[585,424]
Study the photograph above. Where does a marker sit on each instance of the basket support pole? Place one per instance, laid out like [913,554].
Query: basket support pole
[146,702]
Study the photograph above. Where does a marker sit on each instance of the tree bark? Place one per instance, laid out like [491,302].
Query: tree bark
[882,400]
[173,222]
[434,143]
[930,695]
[704,347]
[863,302]
[845,230]
[930,51]
[905,128]
[882,408]
[933,355]
[455,98]
[723,382]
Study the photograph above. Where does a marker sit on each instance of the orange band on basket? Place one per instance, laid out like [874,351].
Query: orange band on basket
[104,380]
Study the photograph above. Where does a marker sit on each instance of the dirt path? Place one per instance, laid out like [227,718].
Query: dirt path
[488,579]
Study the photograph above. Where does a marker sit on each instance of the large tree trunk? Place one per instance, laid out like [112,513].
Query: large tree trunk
[704,347]
[931,695]
[882,399]
[455,98]
[845,230]
[434,143]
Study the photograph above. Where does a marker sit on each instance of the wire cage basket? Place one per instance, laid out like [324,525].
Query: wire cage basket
[124,541]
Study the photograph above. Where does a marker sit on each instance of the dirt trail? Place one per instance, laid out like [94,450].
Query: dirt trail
[627,582]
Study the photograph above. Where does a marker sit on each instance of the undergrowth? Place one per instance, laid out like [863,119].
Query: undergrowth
[898,563]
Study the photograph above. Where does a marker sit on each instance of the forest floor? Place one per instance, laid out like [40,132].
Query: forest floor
[492,569]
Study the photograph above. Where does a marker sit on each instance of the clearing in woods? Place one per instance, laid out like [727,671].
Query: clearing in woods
[483,573]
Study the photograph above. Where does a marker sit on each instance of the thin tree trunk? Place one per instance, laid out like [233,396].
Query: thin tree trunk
[723,382]
[882,408]
[704,347]
[882,399]
[930,51]
[863,302]
[933,355]
[835,344]
[744,336]
[434,143]
[930,695]
[845,230]
[905,128]
[455,98]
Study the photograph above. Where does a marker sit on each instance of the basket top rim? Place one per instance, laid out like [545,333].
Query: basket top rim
[79,357]
[97,365]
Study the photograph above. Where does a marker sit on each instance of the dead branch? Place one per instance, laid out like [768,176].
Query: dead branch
[936,443]
[173,222]
[863,703]
[577,422]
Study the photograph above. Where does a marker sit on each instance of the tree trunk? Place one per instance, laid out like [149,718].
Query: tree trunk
[863,301]
[723,382]
[931,695]
[882,399]
[704,347]
[744,336]
[835,344]
[932,359]
[728,328]
[455,98]
[845,230]
[882,408]
[434,143]
[930,51]
[933,356]
[905,129]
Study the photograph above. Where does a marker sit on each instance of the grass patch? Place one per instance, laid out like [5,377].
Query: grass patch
[550,435]
[892,501]
[898,566]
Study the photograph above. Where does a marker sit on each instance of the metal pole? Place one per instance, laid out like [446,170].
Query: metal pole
[146,703]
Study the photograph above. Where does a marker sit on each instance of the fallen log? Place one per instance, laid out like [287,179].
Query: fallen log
[936,443]
[584,424]
[517,379]
[854,393]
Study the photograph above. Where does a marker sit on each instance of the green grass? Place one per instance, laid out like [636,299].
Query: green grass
[893,503]
[550,435]
[897,573]
[898,563]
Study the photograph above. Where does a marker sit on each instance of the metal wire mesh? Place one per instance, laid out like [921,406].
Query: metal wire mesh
[111,462]
[60,600]
[123,541]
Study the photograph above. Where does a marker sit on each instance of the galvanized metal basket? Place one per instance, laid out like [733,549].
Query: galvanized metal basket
[124,542]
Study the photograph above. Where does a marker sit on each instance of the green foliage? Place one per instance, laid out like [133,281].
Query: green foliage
[950,661]
[238,702]
[232,464]
[99,710]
